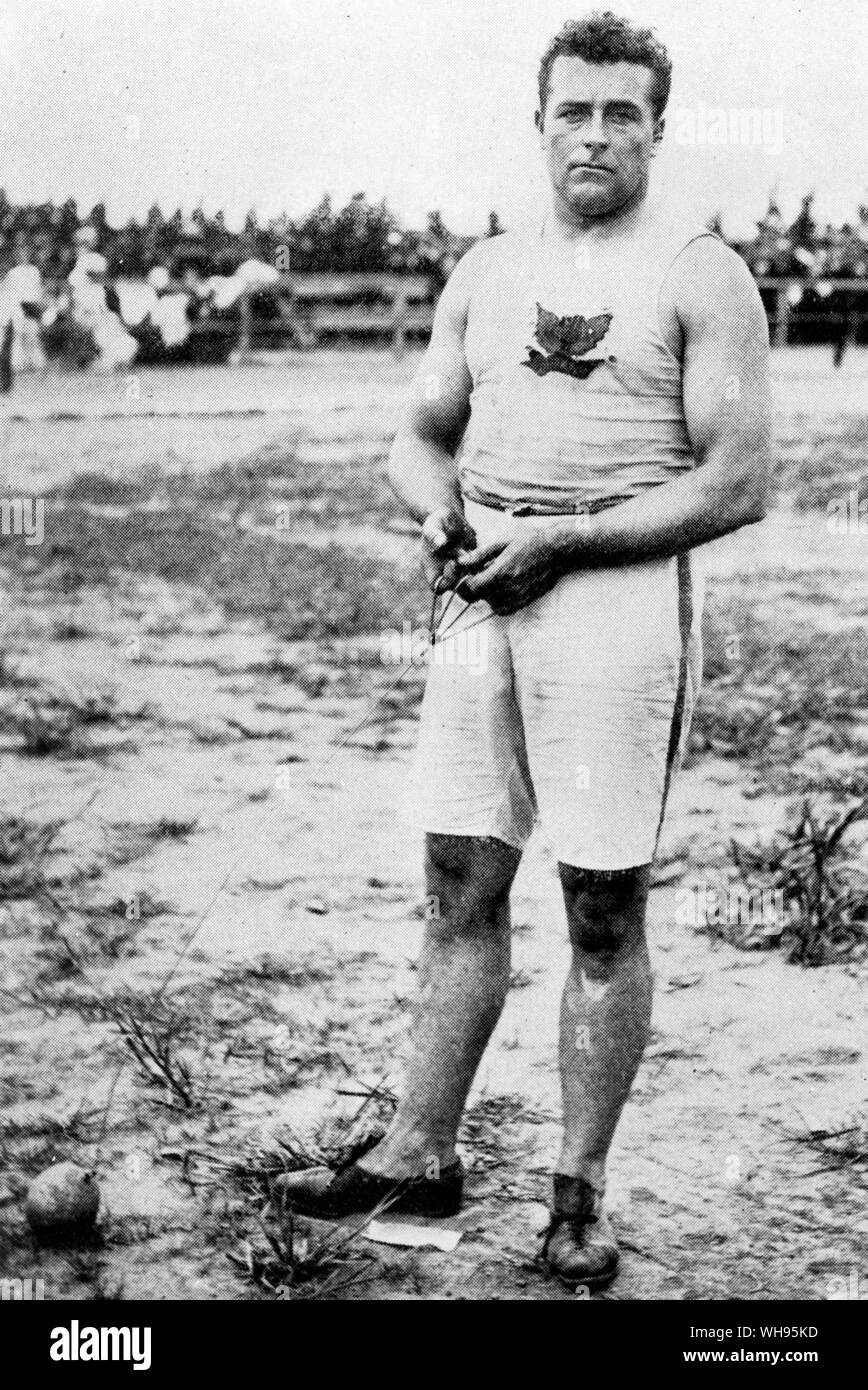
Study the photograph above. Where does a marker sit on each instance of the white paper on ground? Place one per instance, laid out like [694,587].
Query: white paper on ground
[414,1237]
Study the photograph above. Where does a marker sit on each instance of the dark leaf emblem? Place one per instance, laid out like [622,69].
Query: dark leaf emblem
[566,340]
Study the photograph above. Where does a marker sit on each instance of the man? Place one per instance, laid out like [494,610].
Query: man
[95,307]
[593,403]
[21,303]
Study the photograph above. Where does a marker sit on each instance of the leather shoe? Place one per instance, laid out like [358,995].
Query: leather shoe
[330,1196]
[579,1246]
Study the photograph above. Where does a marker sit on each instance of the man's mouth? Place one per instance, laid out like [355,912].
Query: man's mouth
[590,169]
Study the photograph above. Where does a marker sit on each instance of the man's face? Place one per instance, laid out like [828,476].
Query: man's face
[598,131]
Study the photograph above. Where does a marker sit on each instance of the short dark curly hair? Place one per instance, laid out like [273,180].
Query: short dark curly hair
[606,38]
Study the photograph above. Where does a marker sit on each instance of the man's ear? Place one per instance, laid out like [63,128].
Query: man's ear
[659,128]
[538,121]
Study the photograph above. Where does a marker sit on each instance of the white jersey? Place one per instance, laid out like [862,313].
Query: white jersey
[577,398]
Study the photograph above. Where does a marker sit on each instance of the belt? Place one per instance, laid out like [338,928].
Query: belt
[499,504]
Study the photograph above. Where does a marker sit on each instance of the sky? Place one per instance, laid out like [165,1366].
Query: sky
[429,103]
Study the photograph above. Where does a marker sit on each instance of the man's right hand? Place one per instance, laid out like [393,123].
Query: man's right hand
[446,537]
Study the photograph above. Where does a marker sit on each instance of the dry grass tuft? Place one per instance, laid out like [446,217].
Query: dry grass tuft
[817,864]
[25,846]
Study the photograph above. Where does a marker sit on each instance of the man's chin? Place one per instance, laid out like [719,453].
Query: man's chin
[591,203]
[594,199]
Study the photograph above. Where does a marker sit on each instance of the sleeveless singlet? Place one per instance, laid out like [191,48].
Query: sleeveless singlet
[576,398]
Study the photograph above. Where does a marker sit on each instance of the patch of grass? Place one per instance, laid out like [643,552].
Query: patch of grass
[253,1170]
[24,849]
[330,670]
[97,489]
[841,1149]
[276,477]
[28,1146]
[345,1137]
[297,591]
[68,630]
[88,1268]
[268,969]
[308,1059]
[58,960]
[145,907]
[819,869]
[168,828]
[52,723]
[490,1126]
[282,1255]
[45,731]
[130,841]
[154,1028]
[294,1263]
[770,683]
[110,929]
[10,677]
[822,462]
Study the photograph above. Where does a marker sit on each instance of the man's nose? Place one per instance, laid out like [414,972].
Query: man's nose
[594,135]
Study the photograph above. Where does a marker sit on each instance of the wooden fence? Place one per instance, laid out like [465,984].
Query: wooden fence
[781,312]
[318,307]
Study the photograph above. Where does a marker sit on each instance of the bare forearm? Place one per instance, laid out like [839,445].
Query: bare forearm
[666,520]
[424,475]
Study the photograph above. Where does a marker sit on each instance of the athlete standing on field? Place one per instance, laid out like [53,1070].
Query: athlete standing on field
[593,404]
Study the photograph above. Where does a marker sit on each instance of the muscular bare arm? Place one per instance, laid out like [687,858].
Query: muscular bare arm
[422,467]
[727,408]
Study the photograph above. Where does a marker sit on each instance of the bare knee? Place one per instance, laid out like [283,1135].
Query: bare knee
[605,912]
[469,879]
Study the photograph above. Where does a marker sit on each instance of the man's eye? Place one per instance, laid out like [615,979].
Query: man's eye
[621,115]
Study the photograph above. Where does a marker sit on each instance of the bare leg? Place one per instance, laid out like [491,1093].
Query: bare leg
[463,980]
[605,1012]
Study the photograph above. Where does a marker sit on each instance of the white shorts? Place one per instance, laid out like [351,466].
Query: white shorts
[576,710]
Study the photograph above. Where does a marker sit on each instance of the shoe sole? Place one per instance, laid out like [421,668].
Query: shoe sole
[592,1283]
[397,1208]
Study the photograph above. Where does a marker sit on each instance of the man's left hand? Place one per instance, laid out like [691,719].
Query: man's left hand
[507,575]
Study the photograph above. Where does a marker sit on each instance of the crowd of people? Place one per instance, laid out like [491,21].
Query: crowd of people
[805,251]
[819,308]
[169,289]
[79,306]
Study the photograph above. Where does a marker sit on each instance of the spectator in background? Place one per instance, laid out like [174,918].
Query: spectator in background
[170,310]
[21,305]
[845,259]
[92,310]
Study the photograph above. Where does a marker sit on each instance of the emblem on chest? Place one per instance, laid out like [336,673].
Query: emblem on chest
[566,341]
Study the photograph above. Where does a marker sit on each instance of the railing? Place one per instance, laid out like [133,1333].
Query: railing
[340,305]
[313,307]
[781,311]
[317,306]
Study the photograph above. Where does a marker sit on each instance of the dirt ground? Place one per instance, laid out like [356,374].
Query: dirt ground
[174,773]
